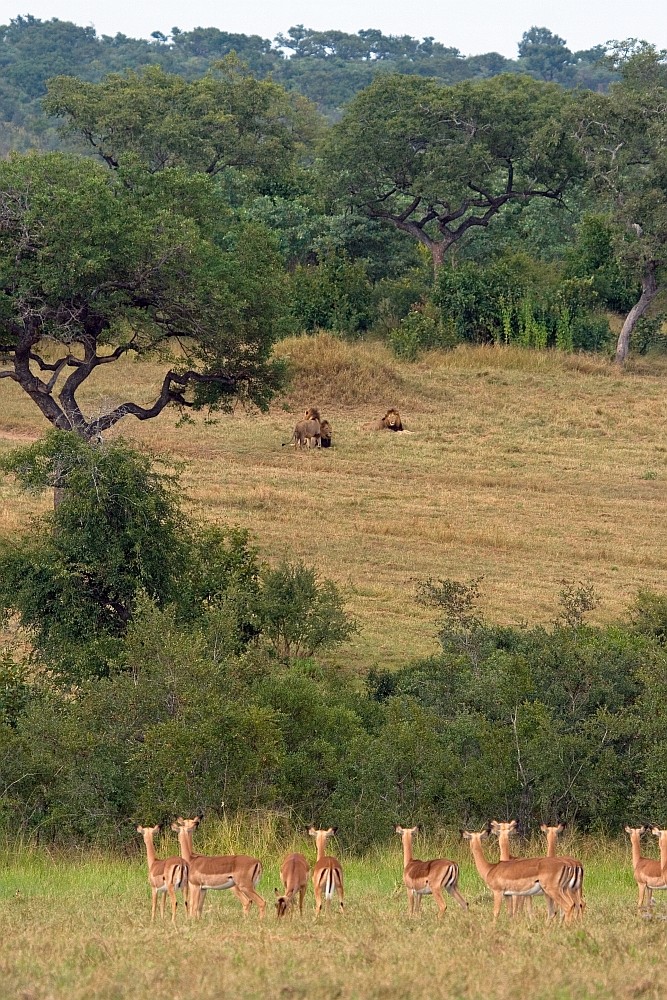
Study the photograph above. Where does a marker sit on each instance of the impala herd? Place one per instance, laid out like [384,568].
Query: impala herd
[558,878]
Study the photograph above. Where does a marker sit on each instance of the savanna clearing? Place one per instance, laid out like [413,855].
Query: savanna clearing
[79,928]
[527,468]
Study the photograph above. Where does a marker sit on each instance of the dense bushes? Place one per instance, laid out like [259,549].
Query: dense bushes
[205,695]
[531,722]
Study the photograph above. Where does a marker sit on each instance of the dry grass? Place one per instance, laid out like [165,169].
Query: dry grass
[79,929]
[526,468]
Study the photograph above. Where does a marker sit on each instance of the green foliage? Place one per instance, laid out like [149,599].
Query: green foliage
[439,163]
[334,294]
[117,532]
[517,299]
[301,615]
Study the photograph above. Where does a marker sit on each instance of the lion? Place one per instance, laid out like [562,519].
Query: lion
[391,421]
[306,434]
[312,413]
[325,434]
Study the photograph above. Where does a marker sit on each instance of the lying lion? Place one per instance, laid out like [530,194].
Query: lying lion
[391,421]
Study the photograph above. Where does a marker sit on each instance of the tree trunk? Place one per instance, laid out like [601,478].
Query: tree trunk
[649,291]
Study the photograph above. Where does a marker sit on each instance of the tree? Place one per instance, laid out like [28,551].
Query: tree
[96,263]
[225,119]
[117,534]
[544,54]
[437,162]
[623,136]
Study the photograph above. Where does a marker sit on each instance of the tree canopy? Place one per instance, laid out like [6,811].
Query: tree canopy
[438,161]
[96,263]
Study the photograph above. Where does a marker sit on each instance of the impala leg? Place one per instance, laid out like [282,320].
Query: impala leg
[153,903]
[302,896]
[341,896]
[172,899]
[251,896]
[411,903]
[454,891]
[441,902]
[497,904]
[163,900]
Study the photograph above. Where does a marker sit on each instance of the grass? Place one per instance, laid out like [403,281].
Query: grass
[526,468]
[78,927]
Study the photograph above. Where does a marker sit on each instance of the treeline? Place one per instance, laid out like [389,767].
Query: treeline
[327,67]
[172,671]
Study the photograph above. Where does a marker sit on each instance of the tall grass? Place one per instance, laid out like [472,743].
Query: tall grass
[77,926]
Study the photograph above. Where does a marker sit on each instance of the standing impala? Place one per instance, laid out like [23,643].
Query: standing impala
[503,832]
[577,888]
[327,873]
[426,878]
[662,844]
[647,871]
[294,873]
[237,872]
[524,877]
[163,876]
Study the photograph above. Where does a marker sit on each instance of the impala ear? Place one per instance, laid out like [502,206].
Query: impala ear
[334,830]
[398,829]
[513,824]
[312,831]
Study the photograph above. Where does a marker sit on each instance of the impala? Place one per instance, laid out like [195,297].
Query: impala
[503,832]
[647,871]
[523,877]
[294,873]
[236,872]
[662,844]
[576,889]
[427,878]
[163,876]
[327,873]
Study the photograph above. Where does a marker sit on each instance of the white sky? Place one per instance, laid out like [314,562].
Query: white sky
[473,27]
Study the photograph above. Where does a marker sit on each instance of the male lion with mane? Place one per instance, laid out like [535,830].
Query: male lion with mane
[391,421]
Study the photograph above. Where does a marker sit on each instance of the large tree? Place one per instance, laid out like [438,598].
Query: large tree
[624,137]
[437,161]
[95,263]
[225,119]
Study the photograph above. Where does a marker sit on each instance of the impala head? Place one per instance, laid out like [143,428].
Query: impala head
[281,904]
[321,836]
[660,834]
[636,831]
[189,825]
[553,829]
[401,830]
[499,828]
[474,838]
[150,830]
[329,832]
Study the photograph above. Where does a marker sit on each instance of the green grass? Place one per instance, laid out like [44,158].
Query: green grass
[78,927]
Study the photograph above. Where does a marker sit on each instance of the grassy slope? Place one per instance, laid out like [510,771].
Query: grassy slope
[526,468]
[80,929]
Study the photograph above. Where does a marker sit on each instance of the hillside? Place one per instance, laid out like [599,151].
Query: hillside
[528,469]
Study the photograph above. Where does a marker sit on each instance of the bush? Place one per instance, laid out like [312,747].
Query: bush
[334,294]
[301,615]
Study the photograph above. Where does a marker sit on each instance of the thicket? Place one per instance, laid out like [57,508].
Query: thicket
[157,690]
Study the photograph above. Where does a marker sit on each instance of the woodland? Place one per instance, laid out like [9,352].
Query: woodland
[191,202]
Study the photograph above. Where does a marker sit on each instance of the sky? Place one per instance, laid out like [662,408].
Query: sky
[473,28]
